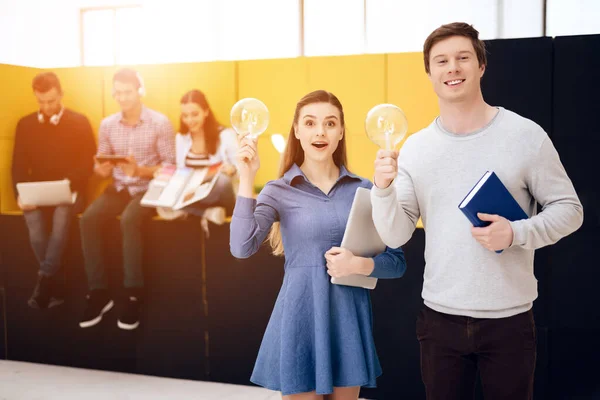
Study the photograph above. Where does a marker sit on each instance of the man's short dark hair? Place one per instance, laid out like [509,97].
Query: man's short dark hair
[45,81]
[127,75]
[455,29]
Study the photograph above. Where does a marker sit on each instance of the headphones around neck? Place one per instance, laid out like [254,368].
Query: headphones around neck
[141,89]
[54,119]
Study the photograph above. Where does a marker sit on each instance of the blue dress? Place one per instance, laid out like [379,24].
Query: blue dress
[319,335]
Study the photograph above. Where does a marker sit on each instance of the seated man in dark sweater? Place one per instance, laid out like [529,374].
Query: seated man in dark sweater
[51,144]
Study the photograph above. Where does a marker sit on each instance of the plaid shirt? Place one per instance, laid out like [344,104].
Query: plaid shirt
[151,142]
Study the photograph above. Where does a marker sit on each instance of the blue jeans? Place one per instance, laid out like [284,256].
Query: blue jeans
[49,244]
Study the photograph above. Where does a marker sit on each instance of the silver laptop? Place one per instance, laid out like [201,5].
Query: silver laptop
[361,238]
[47,193]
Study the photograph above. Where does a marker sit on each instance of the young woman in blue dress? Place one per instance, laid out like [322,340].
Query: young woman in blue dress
[318,343]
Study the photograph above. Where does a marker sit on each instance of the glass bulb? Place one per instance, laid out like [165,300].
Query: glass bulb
[250,116]
[386,125]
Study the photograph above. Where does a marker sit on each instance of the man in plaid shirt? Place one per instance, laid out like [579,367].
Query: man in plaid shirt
[145,138]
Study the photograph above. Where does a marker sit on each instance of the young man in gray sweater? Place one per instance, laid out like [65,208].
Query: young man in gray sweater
[477,313]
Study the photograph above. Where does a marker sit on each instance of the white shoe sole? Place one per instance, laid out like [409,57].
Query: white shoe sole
[92,322]
[128,327]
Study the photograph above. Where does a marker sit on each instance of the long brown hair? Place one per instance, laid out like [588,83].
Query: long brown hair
[293,153]
[212,128]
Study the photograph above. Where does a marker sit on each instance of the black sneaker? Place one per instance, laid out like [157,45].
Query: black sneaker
[41,293]
[57,290]
[44,294]
[98,304]
[130,314]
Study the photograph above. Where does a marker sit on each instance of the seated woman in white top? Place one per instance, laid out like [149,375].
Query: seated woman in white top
[203,142]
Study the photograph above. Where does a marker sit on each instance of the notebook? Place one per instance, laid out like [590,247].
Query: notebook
[47,193]
[361,238]
[490,196]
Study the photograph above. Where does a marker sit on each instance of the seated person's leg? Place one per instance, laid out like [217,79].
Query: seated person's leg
[62,220]
[38,237]
[132,221]
[107,206]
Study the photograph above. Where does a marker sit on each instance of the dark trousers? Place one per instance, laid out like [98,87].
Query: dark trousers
[106,207]
[454,348]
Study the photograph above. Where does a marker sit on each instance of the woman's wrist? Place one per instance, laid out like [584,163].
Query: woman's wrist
[362,265]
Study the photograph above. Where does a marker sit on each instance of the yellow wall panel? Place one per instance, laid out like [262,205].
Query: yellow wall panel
[279,84]
[361,155]
[18,99]
[409,88]
[84,91]
[7,197]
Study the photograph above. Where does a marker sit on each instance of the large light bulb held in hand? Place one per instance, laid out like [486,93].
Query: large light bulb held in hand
[386,125]
[250,116]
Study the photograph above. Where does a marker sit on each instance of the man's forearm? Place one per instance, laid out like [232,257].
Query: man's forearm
[146,172]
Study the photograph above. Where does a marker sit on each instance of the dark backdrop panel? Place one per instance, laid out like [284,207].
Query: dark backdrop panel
[574,364]
[170,340]
[53,336]
[241,295]
[519,77]
[575,316]
[396,304]
[2,326]
[576,105]
[575,116]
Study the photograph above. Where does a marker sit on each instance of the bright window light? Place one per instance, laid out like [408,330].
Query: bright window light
[334,27]
[98,37]
[395,26]
[130,47]
[258,29]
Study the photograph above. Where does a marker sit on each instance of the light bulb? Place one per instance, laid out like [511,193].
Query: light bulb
[386,125]
[250,116]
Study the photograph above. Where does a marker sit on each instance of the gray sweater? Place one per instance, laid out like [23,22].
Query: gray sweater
[436,169]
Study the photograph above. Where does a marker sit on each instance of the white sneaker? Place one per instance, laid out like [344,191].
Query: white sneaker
[216,215]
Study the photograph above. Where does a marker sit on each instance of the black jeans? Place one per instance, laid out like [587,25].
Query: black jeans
[454,348]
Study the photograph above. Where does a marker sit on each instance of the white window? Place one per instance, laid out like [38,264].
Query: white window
[572,17]
[394,26]
[110,35]
[255,29]
[334,27]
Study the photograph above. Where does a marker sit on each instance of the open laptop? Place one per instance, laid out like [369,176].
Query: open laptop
[47,193]
[361,238]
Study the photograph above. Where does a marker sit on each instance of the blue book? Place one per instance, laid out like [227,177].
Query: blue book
[490,196]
